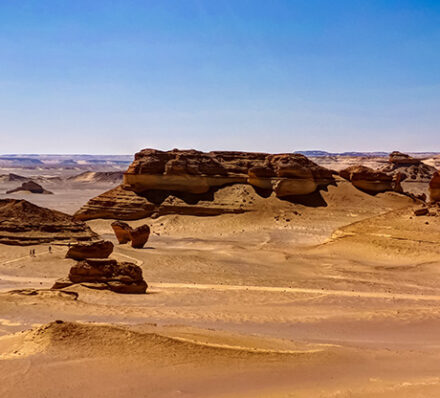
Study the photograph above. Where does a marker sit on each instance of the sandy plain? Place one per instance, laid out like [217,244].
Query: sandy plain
[340,300]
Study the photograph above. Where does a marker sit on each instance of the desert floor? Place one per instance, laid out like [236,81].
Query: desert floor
[334,301]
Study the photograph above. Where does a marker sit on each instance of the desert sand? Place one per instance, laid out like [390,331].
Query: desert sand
[339,299]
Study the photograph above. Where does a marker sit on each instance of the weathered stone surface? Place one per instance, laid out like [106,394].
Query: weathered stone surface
[399,158]
[421,212]
[81,251]
[23,223]
[120,277]
[196,172]
[139,236]
[122,231]
[186,182]
[367,179]
[434,187]
[32,187]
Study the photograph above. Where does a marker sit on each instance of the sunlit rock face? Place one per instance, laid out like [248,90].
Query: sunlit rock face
[367,179]
[200,183]
[197,172]
[434,187]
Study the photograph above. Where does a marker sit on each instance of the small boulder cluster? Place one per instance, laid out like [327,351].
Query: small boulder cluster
[124,234]
[95,270]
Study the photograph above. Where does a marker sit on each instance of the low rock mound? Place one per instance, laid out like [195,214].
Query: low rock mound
[23,223]
[105,274]
[82,251]
[30,187]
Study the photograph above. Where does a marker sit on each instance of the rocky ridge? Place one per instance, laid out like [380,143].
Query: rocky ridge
[200,183]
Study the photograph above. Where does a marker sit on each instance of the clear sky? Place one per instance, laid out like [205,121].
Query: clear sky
[115,76]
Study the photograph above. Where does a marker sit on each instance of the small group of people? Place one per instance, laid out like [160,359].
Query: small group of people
[32,252]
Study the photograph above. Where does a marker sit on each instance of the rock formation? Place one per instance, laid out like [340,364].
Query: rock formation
[84,250]
[119,277]
[139,236]
[367,179]
[122,231]
[411,169]
[434,187]
[31,187]
[187,182]
[23,223]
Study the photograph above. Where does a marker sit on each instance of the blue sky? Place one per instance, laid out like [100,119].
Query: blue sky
[277,76]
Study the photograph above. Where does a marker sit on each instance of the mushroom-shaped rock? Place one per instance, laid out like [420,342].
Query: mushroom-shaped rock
[434,187]
[367,179]
[84,250]
[122,231]
[119,277]
[139,236]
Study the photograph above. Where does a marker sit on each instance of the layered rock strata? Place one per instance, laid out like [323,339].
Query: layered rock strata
[105,274]
[189,182]
[23,223]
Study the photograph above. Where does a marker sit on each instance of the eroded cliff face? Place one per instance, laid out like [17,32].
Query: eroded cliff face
[197,172]
[200,183]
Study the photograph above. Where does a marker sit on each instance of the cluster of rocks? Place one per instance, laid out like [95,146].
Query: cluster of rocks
[95,270]
[137,236]
[23,223]
[398,175]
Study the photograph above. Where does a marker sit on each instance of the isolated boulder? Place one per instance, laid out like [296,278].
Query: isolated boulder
[84,250]
[139,236]
[105,274]
[434,187]
[122,231]
[423,211]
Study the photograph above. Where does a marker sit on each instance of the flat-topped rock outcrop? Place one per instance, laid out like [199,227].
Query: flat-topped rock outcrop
[105,274]
[23,223]
[30,187]
[197,172]
[191,182]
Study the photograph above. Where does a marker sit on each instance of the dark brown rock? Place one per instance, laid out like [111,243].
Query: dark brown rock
[139,236]
[120,277]
[81,251]
[421,212]
[122,231]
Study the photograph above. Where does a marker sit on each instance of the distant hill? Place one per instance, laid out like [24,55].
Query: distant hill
[98,177]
